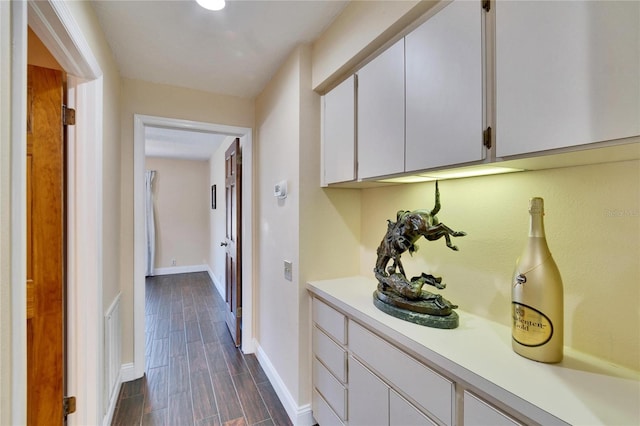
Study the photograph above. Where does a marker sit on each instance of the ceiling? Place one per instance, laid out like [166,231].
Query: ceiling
[234,51]
[180,143]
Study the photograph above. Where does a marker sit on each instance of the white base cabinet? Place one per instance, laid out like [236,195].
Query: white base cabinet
[400,373]
[362,379]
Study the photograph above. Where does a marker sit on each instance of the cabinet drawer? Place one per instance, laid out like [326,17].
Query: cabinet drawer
[330,320]
[478,412]
[330,388]
[401,412]
[323,414]
[429,389]
[333,356]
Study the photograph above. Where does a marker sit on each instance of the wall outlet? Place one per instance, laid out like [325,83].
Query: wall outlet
[288,270]
[173,262]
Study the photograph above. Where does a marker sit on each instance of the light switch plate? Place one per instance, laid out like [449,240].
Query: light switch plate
[288,270]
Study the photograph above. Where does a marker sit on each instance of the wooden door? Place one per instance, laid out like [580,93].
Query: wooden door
[45,247]
[233,241]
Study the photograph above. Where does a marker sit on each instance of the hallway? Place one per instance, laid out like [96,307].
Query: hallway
[194,374]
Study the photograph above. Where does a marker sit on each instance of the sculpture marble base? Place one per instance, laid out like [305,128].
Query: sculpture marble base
[416,311]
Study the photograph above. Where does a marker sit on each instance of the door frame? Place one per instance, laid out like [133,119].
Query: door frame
[55,25]
[246,143]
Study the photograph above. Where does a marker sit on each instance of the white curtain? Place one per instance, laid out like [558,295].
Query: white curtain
[149,223]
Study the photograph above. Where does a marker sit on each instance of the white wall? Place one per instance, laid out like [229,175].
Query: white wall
[182,203]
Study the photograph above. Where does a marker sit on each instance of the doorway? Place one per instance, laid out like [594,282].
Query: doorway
[246,141]
[55,26]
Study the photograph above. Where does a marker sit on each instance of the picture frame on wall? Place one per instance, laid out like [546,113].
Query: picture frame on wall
[213,197]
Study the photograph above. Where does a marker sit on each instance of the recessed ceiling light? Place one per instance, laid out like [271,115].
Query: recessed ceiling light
[212,4]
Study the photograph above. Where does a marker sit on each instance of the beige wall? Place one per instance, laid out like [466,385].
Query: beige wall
[140,97]
[278,142]
[592,221]
[308,228]
[182,203]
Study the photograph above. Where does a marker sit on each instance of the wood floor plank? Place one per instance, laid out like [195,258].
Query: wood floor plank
[157,392]
[180,410]
[155,418]
[229,406]
[192,330]
[203,398]
[159,353]
[177,321]
[129,411]
[190,313]
[177,344]
[162,328]
[133,388]
[259,376]
[276,410]
[178,375]
[211,421]
[254,409]
[195,374]
[197,357]
[207,331]
[215,358]
[236,422]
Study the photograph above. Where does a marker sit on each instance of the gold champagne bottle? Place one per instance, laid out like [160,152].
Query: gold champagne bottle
[537,306]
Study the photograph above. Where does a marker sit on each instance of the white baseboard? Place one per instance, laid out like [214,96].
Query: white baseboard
[128,372]
[216,282]
[180,269]
[108,416]
[299,415]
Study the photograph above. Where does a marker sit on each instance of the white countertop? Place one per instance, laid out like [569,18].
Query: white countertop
[581,390]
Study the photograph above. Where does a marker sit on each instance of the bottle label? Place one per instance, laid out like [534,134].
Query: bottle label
[530,326]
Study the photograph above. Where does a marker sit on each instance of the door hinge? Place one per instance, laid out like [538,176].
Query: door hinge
[486,138]
[69,405]
[239,313]
[486,5]
[239,158]
[68,116]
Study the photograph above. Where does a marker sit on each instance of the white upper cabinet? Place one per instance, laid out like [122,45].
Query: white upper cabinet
[444,88]
[381,114]
[567,73]
[339,133]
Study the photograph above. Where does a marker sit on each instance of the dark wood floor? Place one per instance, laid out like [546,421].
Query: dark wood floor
[195,375]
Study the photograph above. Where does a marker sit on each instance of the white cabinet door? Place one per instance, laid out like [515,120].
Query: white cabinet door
[444,88]
[381,114]
[567,73]
[338,140]
[368,397]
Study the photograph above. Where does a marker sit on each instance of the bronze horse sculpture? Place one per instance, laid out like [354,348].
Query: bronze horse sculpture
[401,236]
